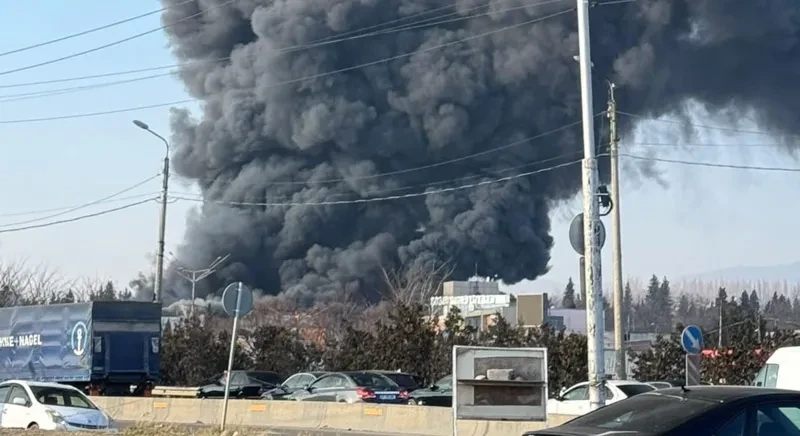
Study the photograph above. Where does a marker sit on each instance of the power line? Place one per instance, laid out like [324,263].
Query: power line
[82,206]
[58,209]
[700,126]
[385,198]
[196,62]
[701,145]
[86,32]
[38,94]
[433,165]
[103,75]
[318,43]
[301,79]
[430,184]
[78,218]
[111,44]
[712,164]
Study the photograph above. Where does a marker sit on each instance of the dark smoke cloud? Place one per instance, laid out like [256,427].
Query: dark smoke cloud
[253,136]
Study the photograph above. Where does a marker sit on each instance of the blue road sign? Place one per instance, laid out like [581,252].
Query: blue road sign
[692,339]
[230,297]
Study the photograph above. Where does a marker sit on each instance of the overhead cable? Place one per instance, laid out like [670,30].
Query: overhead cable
[298,80]
[383,198]
[82,206]
[78,218]
[321,42]
[111,44]
[712,164]
[96,29]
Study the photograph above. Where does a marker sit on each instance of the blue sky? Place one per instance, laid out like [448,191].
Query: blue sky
[703,219]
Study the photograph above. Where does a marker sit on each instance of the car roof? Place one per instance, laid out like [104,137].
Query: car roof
[624,382]
[385,372]
[37,384]
[349,373]
[727,393]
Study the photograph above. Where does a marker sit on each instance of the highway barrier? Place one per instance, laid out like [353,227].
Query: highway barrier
[378,418]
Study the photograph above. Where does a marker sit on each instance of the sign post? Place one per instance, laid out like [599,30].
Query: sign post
[692,343]
[238,302]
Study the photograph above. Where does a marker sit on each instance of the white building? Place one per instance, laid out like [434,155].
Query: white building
[480,301]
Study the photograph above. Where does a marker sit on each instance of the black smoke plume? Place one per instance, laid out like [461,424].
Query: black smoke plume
[263,140]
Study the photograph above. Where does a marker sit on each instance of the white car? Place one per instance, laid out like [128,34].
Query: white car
[49,406]
[575,400]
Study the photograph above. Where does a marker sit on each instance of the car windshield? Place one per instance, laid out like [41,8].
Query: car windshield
[631,390]
[444,382]
[372,380]
[651,413]
[52,396]
[403,380]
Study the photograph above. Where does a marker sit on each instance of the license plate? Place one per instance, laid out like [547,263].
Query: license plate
[387,397]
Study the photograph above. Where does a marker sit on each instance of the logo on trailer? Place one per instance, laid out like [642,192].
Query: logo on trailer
[79,337]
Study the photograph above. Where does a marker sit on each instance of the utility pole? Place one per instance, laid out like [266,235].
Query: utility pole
[594,285]
[719,334]
[194,276]
[162,223]
[758,325]
[616,236]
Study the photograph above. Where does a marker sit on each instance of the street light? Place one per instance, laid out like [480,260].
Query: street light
[163,219]
[194,276]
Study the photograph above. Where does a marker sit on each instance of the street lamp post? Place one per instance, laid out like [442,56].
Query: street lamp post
[194,276]
[163,218]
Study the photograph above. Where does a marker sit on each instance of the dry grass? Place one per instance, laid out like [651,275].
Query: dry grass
[154,430]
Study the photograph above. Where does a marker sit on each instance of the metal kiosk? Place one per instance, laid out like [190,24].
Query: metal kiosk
[499,384]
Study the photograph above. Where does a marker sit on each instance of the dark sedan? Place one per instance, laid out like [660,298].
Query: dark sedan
[297,382]
[244,384]
[354,387]
[695,411]
[403,379]
[438,394]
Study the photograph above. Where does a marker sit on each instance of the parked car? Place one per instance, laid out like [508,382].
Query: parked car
[297,382]
[440,393]
[698,410]
[49,406]
[403,379]
[663,384]
[244,384]
[575,400]
[354,387]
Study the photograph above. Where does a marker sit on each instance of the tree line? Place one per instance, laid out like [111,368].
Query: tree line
[398,334]
[656,309]
[406,339]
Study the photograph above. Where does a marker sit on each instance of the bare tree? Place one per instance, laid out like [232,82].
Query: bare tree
[23,285]
[416,283]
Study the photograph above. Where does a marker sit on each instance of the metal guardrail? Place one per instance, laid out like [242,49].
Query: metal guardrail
[174,392]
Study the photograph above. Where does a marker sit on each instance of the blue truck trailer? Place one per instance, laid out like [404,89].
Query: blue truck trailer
[101,347]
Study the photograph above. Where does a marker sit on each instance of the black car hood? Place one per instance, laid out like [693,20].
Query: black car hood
[581,431]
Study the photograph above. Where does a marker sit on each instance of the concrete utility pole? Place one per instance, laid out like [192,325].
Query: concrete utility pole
[594,284]
[616,238]
[162,223]
[194,276]
[719,334]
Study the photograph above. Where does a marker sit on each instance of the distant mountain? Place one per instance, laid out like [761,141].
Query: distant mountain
[771,273]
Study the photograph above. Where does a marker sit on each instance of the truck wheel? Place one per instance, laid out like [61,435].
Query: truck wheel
[33,426]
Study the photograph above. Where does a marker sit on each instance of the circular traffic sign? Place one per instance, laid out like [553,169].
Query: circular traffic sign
[576,234]
[232,294]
